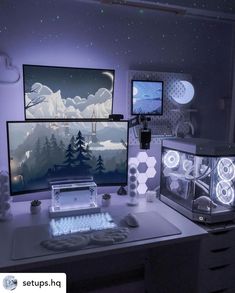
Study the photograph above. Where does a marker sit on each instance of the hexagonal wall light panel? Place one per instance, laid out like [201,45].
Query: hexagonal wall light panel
[142,178]
[142,157]
[142,167]
[151,172]
[145,169]
[133,161]
[151,161]
[142,188]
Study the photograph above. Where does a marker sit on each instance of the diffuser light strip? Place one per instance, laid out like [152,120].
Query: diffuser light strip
[176,9]
[147,5]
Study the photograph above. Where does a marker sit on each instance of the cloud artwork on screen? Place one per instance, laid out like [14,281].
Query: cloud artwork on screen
[44,151]
[67,93]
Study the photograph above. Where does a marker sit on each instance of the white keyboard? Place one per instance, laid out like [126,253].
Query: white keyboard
[81,223]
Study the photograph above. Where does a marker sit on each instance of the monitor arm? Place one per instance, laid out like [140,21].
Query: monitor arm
[144,132]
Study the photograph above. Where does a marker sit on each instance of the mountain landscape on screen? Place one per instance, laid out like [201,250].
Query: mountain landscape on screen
[61,93]
[43,151]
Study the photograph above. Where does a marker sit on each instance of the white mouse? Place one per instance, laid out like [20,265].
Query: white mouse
[131,220]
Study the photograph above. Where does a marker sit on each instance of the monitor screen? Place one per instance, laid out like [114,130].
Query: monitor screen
[147,97]
[67,93]
[42,151]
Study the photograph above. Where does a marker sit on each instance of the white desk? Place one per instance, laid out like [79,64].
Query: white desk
[22,217]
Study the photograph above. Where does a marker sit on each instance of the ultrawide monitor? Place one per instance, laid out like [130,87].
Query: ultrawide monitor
[147,97]
[42,151]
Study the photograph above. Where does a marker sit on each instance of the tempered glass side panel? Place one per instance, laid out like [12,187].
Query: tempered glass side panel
[223,179]
[202,179]
[201,184]
[177,169]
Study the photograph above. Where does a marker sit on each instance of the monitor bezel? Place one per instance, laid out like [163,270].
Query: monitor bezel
[146,80]
[64,120]
[64,67]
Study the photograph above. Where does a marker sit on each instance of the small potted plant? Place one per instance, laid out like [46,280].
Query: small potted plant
[35,206]
[106,199]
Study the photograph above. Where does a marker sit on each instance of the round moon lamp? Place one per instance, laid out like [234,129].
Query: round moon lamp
[183,92]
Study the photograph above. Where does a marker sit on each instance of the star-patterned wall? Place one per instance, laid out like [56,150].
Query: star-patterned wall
[80,34]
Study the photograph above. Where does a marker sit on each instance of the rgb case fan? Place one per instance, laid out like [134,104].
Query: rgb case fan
[198,178]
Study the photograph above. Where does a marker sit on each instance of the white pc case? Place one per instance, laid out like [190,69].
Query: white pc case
[197,178]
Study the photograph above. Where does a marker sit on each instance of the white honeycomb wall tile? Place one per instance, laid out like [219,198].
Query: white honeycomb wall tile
[142,157]
[142,188]
[151,172]
[142,178]
[151,161]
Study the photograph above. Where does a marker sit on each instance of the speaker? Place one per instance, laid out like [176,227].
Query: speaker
[132,185]
[5,211]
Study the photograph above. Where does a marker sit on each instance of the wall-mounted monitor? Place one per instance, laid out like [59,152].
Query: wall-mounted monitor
[146,97]
[44,151]
[67,93]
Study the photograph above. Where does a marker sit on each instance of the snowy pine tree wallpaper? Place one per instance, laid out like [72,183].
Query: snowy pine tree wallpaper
[44,151]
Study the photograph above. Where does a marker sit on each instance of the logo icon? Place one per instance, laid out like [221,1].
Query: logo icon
[10,283]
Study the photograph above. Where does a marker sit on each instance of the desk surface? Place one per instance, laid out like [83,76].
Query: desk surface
[22,217]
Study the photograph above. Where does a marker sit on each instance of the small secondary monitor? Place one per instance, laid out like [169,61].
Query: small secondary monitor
[146,97]
[52,92]
[45,151]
